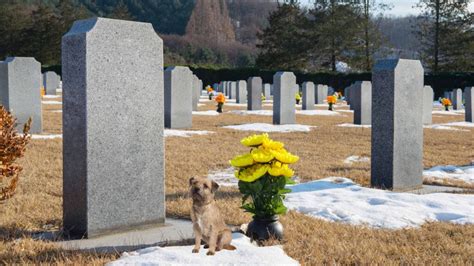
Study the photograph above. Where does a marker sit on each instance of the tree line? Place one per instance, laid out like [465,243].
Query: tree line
[332,31]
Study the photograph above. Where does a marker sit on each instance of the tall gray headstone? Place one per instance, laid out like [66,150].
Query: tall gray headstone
[362,100]
[50,82]
[196,87]
[112,143]
[20,91]
[215,87]
[178,97]
[267,91]
[308,96]
[241,91]
[457,99]
[397,124]
[321,93]
[254,101]
[428,97]
[446,94]
[284,98]
[469,100]
[233,90]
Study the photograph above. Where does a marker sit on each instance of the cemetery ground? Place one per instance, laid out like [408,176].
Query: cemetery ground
[37,206]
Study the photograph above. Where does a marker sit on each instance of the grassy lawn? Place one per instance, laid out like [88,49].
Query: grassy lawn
[37,204]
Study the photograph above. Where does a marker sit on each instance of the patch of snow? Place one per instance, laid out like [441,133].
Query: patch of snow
[51,102]
[445,113]
[235,104]
[52,136]
[224,178]
[254,112]
[440,127]
[317,112]
[460,173]
[59,90]
[353,125]
[262,127]
[459,124]
[209,113]
[55,111]
[51,96]
[356,159]
[245,254]
[339,199]
[201,104]
[345,111]
[184,133]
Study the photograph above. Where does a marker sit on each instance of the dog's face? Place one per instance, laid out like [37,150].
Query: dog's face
[202,189]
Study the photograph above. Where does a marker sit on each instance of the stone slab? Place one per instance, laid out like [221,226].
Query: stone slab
[241,91]
[321,93]
[284,98]
[469,116]
[362,101]
[457,99]
[113,144]
[172,232]
[50,82]
[428,97]
[20,91]
[254,86]
[178,97]
[397,124]
[267,91]
[308,96]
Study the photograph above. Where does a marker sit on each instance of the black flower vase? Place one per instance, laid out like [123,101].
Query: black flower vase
[446,107]
[219,107]
[261,229]
[330,107]
[210,97]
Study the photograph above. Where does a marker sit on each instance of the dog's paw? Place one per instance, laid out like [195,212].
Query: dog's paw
[211,253]
[195,250]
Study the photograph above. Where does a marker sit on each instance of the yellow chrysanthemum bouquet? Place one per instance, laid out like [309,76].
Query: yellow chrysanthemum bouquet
[332,100]
[263,174]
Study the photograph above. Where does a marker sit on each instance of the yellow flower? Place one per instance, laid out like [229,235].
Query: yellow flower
[262,155]
[285,157]
[298,96]
[252,173]
[242,160]
[273,145]
[279,169]
[254,140]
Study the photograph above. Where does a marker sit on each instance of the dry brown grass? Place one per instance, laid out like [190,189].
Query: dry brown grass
[37,205]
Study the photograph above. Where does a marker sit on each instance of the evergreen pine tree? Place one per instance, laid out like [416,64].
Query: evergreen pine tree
[284,43]
[447,35]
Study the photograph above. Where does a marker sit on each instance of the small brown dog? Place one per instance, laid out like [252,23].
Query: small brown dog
[208,224]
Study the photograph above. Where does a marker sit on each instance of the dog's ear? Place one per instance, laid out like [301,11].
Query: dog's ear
[215,186]
[191,180]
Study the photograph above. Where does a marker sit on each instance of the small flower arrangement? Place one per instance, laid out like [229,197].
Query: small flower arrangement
[298,97]
[210,92]
[263,174]
[42,92]
[263,97]
[331,101]
[446,103]
[338,95]
[220,99]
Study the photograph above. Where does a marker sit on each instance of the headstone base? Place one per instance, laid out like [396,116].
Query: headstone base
[173,232]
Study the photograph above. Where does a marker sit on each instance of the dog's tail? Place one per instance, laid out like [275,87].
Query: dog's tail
[229,247]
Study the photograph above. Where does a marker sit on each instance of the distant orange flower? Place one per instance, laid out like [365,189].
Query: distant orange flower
[332,99]
[446,102]
[220,98]
[210,89]
[43,91]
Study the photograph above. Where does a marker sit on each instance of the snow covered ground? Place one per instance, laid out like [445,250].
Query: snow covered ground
[224,178]
[55,111]
[51,96]
[208,113]
[318,112]
[461,173]
[442,127]
[255,112]
[354,125]
[185,133]
[356,159]
[245,254]
[446,113]
[52,136]
[52,102]
[339,199]
[262,127]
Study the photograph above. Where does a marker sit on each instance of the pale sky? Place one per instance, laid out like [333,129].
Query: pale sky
[399,7]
